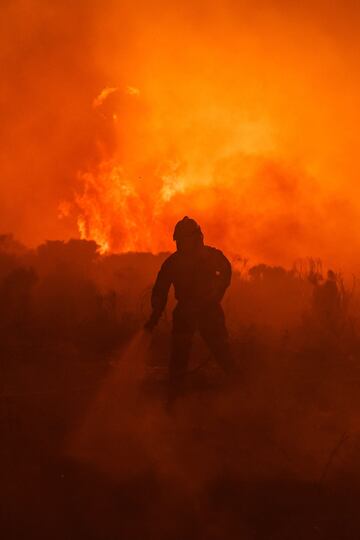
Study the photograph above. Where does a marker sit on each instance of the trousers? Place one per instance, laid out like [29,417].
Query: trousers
[209,321]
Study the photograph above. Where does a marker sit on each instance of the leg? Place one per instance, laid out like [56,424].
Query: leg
[182,336]
[181,346]
[214,333]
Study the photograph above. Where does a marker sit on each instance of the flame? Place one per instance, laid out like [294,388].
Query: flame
[102,97]
[120,216]
[244,196]
[131,199]
[110,193]
[244,118]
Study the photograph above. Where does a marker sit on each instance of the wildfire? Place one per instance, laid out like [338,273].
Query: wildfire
[125,117]
[104,94]
[245,200]
[119,214]
[131,199]
[110,206]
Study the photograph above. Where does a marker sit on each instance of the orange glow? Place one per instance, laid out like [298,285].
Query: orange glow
[242,117]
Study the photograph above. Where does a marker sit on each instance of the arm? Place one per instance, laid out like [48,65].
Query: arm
[159,294]
[223,275]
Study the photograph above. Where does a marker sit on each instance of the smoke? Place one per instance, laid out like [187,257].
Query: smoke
[83,422]
[243,116]
[113,434]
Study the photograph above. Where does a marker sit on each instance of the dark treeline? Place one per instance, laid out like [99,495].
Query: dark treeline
[285,436]
[66,293]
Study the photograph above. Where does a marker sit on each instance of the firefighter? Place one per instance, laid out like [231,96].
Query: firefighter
[200,275]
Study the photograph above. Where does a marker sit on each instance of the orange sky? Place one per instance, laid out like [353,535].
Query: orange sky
[242,115]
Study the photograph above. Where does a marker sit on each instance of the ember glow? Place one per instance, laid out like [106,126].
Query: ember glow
[243,117]
[118,118]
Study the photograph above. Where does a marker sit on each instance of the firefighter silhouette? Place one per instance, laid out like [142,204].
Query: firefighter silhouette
[200,275]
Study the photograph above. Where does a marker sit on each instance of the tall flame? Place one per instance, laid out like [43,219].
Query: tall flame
[243,115]
[245,195]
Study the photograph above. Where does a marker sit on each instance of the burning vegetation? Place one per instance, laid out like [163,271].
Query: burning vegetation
[123,119]
[119,118]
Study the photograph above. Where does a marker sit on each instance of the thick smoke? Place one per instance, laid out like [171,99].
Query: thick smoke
[117,119]
[88,446]
[202,90]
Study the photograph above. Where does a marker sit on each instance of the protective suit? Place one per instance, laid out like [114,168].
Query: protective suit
[200,275]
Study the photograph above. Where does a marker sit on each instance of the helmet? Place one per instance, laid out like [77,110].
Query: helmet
[185,228]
